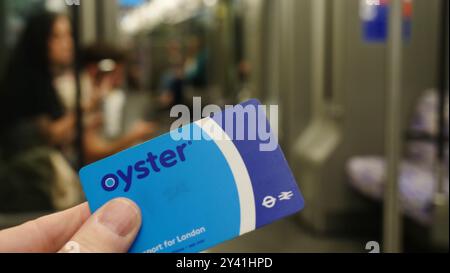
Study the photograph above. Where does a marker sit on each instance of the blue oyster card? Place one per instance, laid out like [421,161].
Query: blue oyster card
[196,192]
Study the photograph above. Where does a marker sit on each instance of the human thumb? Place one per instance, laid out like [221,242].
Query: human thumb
[112,228]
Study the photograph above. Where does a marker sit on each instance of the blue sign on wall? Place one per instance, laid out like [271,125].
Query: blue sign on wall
[375,20]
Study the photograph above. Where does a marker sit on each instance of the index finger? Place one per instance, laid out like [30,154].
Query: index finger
[45,234]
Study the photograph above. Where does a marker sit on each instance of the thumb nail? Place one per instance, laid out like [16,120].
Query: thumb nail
[121,216]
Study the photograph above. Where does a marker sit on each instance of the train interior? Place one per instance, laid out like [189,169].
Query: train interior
[363,114]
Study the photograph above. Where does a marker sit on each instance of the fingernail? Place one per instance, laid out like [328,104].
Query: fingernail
[121,216]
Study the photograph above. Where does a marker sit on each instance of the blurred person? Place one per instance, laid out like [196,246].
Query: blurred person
[103,76]
[172,79]
[34,175]
[186,76]
[44,50]
[195,74]
[38,119]
[417,182]
[195,65]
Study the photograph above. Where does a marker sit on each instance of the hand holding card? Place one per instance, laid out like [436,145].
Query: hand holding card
[195,193]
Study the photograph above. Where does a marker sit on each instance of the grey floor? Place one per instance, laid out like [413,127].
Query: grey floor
[286,236]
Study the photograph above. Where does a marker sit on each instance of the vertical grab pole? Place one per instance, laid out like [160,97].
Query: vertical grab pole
[3,54]
[79,113]
[392,222]
[443,89]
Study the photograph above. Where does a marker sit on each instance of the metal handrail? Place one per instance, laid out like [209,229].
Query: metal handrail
[392,224]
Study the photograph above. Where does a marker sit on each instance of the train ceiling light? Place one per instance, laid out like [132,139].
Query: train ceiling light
[154,13]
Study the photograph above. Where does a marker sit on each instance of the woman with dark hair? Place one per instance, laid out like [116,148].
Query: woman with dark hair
[37,119]
[28,94]
[33,120]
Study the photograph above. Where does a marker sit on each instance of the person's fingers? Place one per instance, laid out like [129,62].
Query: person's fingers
[46,234]
[112,228]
